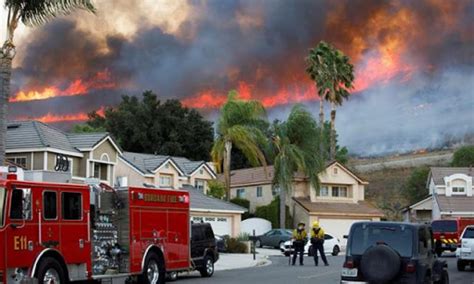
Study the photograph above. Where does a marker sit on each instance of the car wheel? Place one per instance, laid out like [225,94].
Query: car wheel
[153,271]
[279,244]
[208,269]
[50,271]
[258,244]
[336,250]
[461,265]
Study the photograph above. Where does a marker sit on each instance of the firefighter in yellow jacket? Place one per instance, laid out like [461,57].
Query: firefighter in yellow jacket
[317,242]
[299,240]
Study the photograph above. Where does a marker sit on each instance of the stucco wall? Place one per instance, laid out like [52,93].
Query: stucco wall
[38,158]
[133,177]
[107,148]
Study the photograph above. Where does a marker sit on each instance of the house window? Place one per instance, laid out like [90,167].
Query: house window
[339,191]
[201,171]
[167,166]
[324,191]
[335,171]
[458,190]
[275,190]
[259,191]
[20,161]
[166,180]
[199,184]
[240,192]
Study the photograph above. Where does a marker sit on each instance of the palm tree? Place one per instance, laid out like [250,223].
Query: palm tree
[333,74]
[295,146]
[238,125]
[30,13]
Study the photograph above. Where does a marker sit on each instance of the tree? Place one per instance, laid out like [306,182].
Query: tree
[463,157]
[149,126]
[238,160]
[216,189]
[334,76]
[238,125]
[414,189]
[30,13]
[342,154]
[86,128]
[295,145]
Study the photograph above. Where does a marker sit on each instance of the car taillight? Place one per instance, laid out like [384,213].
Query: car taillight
[349,264]
[410,268]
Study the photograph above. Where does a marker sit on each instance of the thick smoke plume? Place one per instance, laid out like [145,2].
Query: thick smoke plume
[414,62]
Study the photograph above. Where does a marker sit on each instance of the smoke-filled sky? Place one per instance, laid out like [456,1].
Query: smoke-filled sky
[414,62]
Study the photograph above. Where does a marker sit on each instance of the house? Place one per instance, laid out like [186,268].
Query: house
[451,195]
[164,171]
[38,149]
[340,202]
[136,169]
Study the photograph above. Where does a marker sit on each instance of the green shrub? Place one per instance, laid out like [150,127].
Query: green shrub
[236,246]
[243,237]
[463,157]
[216,189]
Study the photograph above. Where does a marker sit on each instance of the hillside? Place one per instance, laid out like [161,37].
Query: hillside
[386,176]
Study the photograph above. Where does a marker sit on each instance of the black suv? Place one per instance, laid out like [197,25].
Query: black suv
[203,249]
[388,252]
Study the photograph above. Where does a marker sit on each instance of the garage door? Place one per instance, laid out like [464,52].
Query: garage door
[220,225]
[338,227]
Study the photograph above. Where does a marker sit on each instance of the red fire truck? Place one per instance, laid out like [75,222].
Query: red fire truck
[55,233]
[447,233]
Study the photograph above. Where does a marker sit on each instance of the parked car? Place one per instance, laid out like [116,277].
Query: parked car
[389,252]
[332,245]
[220,243]
[203,249]
[273,238]
[465,253]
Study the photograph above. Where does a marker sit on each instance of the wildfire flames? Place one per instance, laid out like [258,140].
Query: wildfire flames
[388,42]
[54,118]
[101,80]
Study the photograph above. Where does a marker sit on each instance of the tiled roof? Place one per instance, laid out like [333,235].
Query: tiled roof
[339,208]
[439,173]
[35,134]
[201,201]
[455,203]
[86,140]
[147,163]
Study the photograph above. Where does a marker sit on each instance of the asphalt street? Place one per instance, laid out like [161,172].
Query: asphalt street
[279,272]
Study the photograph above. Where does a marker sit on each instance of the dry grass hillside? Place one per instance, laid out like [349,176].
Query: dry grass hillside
[386,176]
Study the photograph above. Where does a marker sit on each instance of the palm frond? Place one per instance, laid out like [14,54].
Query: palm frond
[37,12]
[218,152]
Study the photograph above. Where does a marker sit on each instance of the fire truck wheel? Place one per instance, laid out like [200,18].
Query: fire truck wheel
[208,268]
[154,270]
[50,271]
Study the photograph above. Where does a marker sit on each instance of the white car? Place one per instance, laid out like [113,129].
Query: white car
[465,252]
[332,245]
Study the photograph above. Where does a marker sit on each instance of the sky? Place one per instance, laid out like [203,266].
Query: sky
[414,63]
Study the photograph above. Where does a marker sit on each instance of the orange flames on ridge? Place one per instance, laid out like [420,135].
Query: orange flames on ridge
[101,80]
[54,118]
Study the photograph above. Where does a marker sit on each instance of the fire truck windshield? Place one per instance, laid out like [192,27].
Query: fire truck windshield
[2,203]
